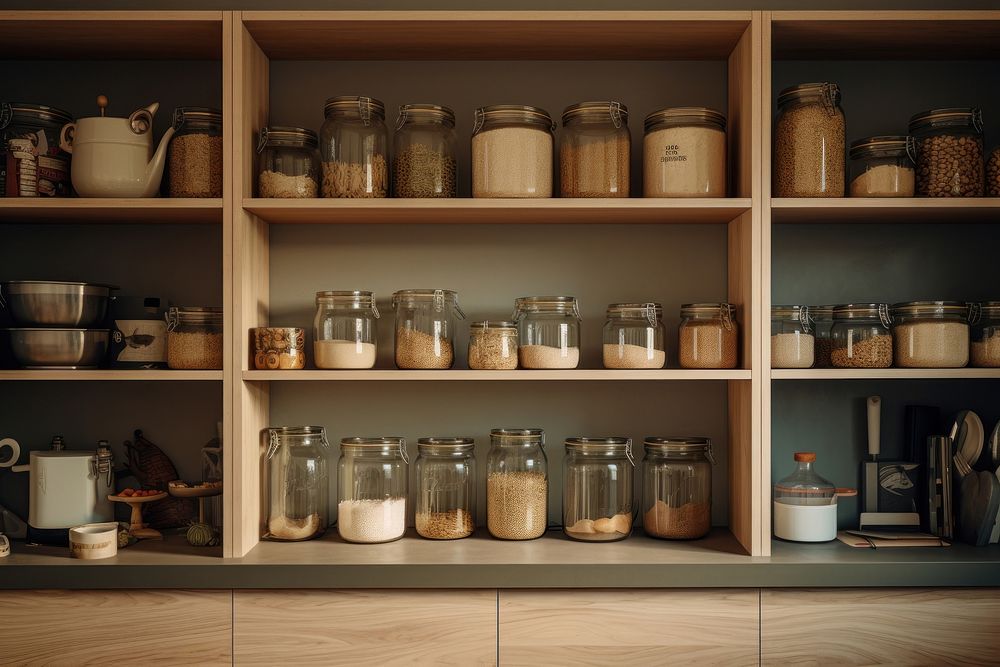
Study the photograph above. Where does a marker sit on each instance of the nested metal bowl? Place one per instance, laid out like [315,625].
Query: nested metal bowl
[59,348]
[48,303]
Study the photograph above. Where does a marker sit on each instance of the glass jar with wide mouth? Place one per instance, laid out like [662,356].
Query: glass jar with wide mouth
[597,489]
[517,484]
[677,487]
[296,505]
[594,150]
[512,152]
[809,142]
[931,334]
[708,336]
[493,346]
[288,164]
[194,166]
[793,344]
[684,153]
[32,162]
[371,489]
[985,348]
[446,488]
[633,336]
[424,144]
[883,167]
[821,318]
[548,330]
[354,144]
[425,328]
[949,145]
[194,338]
[345,334]
[862,336]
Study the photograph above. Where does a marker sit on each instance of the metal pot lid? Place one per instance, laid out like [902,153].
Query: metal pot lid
[409,113]
[35,111]
[968,434]
[678,115]
[514,114]
[444,445]
[611,110]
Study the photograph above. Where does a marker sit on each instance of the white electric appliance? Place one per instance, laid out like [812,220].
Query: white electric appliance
[69,488]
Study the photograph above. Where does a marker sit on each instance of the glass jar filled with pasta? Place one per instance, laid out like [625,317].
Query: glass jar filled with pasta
[355,147]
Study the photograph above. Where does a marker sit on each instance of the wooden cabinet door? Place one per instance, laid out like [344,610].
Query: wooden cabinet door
[116,627]
[629,627]
[880,626]
[366,627]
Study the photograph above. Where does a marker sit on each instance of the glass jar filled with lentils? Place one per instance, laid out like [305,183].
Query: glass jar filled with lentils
[594,152]
[949,152]
[809,142]
[424,146]
[861,336]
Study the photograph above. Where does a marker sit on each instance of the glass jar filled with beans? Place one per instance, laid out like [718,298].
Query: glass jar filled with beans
[883,167]
[512,152]
[986,334]
[708,336]
[594,152]
[822,326]
[633,336]
[861,336]
[793,344]
[492,346]
[355,147]
[931,334]
[424,144]
[809,142]
[949,152]
[993,174]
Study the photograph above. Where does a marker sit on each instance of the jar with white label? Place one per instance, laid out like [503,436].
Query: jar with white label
[861,336]
[684,153]
[931,334]
[793,344]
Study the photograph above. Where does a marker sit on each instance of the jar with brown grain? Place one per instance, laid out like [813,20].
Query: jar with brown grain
[883,167]
[517,484]
[194,338]
[708,336]
[425,328]
[809,142]
[684,153]
[194,168]
[633,336]
[446,488]
[861,336]
[822,326]
[677,487]
[986,335]
[949,152]
[993,174]
[594,152]
[354,144]
[493,346]
[424,143]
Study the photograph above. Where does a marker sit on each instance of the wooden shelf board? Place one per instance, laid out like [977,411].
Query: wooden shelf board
[519,375]
[908,210]
[498,211]
[884,373]
[881,35]
[101,375]
[139,35]
[496,35]
[101,210]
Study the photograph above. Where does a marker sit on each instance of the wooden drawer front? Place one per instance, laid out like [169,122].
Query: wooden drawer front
[625,627]
[116,627]
[366,627]
[898,626]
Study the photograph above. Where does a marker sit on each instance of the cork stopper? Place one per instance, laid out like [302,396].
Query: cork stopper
[805,457]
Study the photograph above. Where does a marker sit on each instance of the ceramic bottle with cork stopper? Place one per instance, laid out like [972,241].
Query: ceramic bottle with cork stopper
[805,504]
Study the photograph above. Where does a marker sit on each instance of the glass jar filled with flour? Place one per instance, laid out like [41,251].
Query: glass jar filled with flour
[424,145]
[793,344]
[289,163]
[809,142]
[355,147]
[446,488]
[594,151]
[883,167]
[425,328]
[597,489]
[633,336]
[708,336]
[684,153]
[372,480]
[344,330]
[297,483]
[930,334]
[512,152]
[517,484]
[548,331]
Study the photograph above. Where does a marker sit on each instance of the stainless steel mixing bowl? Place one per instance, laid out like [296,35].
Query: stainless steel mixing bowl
[46,303]
[59,348]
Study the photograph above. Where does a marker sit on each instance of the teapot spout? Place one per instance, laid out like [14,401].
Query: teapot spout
[154,170]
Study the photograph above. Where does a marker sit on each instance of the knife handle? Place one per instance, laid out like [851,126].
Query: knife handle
[874,425]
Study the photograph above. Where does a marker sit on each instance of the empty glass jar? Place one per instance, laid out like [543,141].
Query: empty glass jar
[684,153]
[594,151]
[633,336]
[372,488]
[298,484]
[949,152]
[425,328]
[194,168]
[549,331]
[862,336]
[708,336]
[512,152]
[344,330]
[809,142]
[883,167]
[986,335]
[517,484]
[930,334]
[194,338]
[446,488]
[289,163]
[821,318]
[424,146]
[355,147]
[793,344]
[677,487]
[493,346]
[597,489]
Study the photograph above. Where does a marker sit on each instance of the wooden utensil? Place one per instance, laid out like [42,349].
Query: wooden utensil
[136,526]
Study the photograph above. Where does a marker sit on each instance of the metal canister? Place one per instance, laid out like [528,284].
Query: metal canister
[31,162]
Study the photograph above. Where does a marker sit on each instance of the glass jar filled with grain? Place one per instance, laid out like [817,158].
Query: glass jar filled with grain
[289,163]
[809,142]
[493,346]
[793,344]
[597,489]
[993,174]
[297,485]
[594,151]
[194,338]
[883,167]
[424,144]
[821,318]
[684,153]
[355,148]
[986,334]
[512,152]
[194,167]
[931,334]
[517,484]
[708,336]
[345,334]
[949,152]
[548,330]
[425,328]
[372,477]
[633,336]
[677,487]
[862,336]
[446,488]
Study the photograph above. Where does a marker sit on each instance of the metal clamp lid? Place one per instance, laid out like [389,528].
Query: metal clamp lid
[6,114]
[975,312]
[681,445]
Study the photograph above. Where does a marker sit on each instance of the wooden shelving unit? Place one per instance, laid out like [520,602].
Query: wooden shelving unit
[577,375]
[112,375]
[145,211]
[885,373]
[882,211]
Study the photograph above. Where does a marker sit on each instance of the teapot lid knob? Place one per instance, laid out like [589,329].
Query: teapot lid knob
[102,103]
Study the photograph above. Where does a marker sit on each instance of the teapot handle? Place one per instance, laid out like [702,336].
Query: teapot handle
[66,135]
[15,454]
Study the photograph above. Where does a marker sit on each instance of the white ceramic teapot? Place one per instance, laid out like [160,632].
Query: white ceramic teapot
[113,157]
